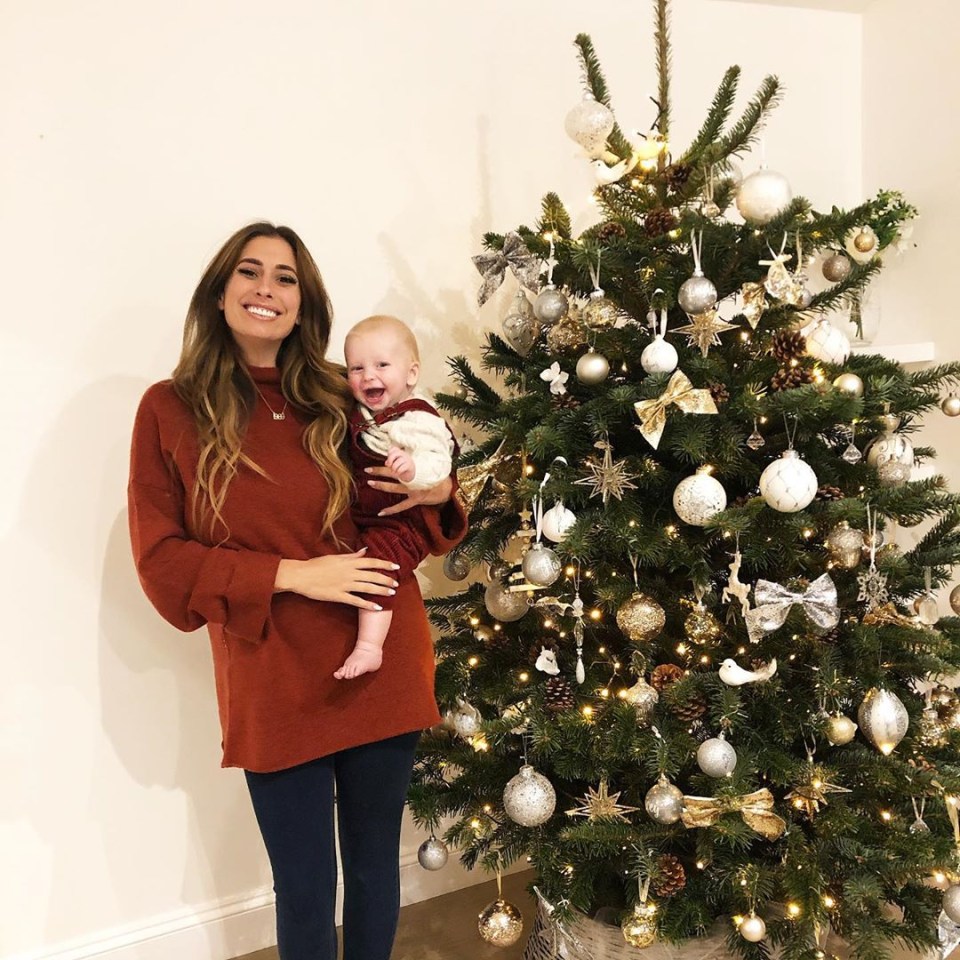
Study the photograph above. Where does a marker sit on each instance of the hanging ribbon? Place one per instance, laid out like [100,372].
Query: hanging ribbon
[493,265]
[756,809]
[773,603]
[681,393]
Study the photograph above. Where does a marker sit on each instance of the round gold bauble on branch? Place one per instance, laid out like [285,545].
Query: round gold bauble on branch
[850,384]
[641,618]
[839,730]
[951,405]
[664,802]
[752,928]
[500,923]
[845,546]
[702,627]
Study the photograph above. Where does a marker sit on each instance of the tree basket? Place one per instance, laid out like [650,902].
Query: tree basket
[592,940]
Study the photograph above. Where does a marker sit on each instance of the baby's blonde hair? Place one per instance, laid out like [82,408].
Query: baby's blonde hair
[383,321]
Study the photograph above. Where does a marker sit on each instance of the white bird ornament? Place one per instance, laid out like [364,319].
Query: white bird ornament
[734,675]
[611,174]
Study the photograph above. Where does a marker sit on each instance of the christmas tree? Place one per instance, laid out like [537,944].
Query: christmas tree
[685,502]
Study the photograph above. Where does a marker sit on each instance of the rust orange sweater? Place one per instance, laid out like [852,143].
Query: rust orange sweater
[274,654]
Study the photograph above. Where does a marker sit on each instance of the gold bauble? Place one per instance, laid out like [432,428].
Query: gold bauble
[933,732]
[640,927]
[643,698]
[951,405]
[500,923]
[955,600]
[702,627]
[865,240]
[599,312]
[839,730]
[641,618]
[844,544]
[569,333]
[850,384]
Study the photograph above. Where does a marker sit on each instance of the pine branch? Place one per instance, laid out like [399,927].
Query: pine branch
[719,113]
[662,40]
[743,133]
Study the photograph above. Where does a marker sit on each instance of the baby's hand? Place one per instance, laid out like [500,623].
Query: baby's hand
[401,463]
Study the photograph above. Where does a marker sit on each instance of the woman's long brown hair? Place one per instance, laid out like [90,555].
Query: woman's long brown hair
[213,381]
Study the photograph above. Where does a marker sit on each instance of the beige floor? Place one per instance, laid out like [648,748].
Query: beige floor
[445,928]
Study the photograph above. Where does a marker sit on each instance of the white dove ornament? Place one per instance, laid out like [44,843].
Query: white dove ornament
[734,675]
[611,174]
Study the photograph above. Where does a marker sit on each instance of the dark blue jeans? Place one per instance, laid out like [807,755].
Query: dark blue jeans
[295,811]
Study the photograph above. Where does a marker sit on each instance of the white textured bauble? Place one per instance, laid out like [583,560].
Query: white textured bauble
[951,902]
[826,343]
[753,929]
[500,923]
[593,368]
[716,758]
[529,798]
[465,721]
[762,196]
[951,405]
[836,267]
[883,719]
[541,566]
[643,698]
[600,313]
[788,484]
[504,605]
[589,123]
[551,305]
[839,730]
[697,295]
[850,384]
[890,446]
[659,356]
[699,498]
[456,566]
[520,326]
[664,802]
[955,600]
[433,854]
[557,521]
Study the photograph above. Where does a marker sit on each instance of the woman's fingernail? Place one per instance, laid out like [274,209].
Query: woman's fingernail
[396,566]
[392,592]
[377,606]
[367,469]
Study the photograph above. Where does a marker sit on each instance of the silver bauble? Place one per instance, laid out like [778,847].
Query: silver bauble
[664,802]
[836,267]
[593,368]
[955,600]
[589,123]
[498,571]
[456,566]
[520,326]
[557,521]
[752,928]
[643,698]
[659,356]
[541,566]
[845,546]
[826,343]
[928,611]
[465,720]
[433,854]
[839,730]
[697,295]
[951,902]
[883,719]
[600,313]
[500,923]
[850,384]
[504,605]
[762,196]
[788,484]
[951,405]
[699,498]
[529,798]
[551,305]
[716,758]
[641,618]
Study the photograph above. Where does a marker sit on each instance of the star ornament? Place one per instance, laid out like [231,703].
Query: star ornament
[809,796]
[608,479]
[704,330]
[600,804]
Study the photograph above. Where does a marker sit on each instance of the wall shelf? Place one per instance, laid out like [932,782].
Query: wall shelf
[922,352]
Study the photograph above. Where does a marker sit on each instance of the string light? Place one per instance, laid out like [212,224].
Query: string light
[587,712]
[828,901]
[886,816]
[595,614]
[474,621]
[473,661]
[524,676]
[793,910]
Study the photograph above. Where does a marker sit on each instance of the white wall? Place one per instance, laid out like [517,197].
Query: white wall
[135,138]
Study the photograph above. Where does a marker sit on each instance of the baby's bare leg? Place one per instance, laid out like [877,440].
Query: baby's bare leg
[368,653]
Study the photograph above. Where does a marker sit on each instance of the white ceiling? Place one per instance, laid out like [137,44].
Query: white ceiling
[838,6]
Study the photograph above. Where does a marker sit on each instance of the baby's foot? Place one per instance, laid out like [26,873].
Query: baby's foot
[364,659]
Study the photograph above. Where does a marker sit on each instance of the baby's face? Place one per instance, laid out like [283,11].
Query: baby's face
[380,369]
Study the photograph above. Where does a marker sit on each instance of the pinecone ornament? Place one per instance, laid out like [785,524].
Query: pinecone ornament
[787,378]
[719,392]
[691,708]
[828,492]
[559,695]
[664,675]
[677,175]
[659,221]
[788,345]
[564,401]
[611,231]
[670,877]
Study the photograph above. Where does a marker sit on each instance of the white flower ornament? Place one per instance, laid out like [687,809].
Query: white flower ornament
[556,377]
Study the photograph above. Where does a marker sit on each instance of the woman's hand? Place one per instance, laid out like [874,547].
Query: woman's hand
[337,578]
[432,496]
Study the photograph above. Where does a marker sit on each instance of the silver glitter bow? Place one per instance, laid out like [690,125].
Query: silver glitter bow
[493,266]
[773,603]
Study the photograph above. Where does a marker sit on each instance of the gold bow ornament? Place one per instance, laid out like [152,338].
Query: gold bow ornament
[680,393]
[756,809]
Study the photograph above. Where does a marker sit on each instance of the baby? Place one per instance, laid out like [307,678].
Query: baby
[389,427]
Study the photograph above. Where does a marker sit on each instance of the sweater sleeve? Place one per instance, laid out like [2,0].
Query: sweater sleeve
[427,438]
[189,582]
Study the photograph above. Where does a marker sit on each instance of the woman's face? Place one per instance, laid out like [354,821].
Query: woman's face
[261,302]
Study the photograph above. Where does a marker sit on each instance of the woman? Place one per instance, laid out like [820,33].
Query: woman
[240,521]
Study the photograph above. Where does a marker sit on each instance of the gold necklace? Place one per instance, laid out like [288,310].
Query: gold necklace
[282,415]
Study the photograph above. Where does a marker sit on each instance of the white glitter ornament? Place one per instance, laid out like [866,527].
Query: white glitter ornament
[589,123]
[529,798]
[659,356]
[699,498]
[551,305]
[883,719]
[763,195]
[788,484]
[826,343]
[752,928]
[541,566]
[433,854]
[664,802]
[716,758]
[592,368]
[951,902]
[557,522]
[465,720]
[502,604]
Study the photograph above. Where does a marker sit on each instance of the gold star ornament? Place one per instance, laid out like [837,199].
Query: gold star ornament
[808,796]
[608,479]
[600,804]
[704,330]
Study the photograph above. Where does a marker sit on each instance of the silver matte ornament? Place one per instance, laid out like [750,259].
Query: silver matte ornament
[836,268]
[529,798]
[699,498]
[541,566]
[762,196]
[839,730]
[592,368]
[788,484]
[433,854]
[716,758]
[643,698]
[752,928]
[659,356]
[502,604]
[697,294]
[500,923]
[520,326]
[456,566]
[883,719]
[551,305]
[951,405]
[951,902]
[664,802]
